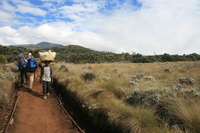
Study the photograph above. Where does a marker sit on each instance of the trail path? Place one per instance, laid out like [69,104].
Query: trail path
[33,114]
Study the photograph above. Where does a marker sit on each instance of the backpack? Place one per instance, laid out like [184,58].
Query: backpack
[31,65]
[21,60]
[25,63]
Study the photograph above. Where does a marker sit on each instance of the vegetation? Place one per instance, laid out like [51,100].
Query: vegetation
[3,59]
[125,92]
[8,78]
[77,54]
[11,52]
[135,97]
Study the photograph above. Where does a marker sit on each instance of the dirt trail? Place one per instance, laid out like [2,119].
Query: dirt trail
[33,114]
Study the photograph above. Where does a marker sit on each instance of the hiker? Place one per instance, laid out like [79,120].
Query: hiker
[21,65]
[46,78]
[25,71]
[29,56]
[31,67]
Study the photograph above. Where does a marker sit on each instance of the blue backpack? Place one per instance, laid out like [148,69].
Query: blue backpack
[20,67]
[31,65]
[25,62]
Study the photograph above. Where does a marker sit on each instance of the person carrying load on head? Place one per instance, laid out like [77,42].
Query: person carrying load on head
[31,67]
[46,77]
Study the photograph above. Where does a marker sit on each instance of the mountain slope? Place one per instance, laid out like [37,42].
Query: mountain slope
[48,44]
[72,49]
[41,45]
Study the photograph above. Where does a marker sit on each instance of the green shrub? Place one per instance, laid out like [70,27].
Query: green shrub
[3,59]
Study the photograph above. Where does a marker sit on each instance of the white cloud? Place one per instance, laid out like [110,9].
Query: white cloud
[26,32]
[31,10]
[17,40]
[10,36]
[5,16]
[8,31]
[6,6]
[79,12]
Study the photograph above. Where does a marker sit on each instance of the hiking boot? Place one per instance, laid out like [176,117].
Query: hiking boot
[45,97]
[29,90]
[48,94]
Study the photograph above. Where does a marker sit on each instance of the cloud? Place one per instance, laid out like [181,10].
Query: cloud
[5,17]
[6,13]
[8,31]
[34,11]
[10,36]
[156,27]
[6,6]
[57,1]
[141,26]
[79,12]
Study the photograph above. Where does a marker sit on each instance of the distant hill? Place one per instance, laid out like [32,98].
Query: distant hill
[48,44]
[58,48]
[41,45]
[72,49]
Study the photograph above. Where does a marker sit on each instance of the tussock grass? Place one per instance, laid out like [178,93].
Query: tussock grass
[142,105]
[188,114]
[130,119]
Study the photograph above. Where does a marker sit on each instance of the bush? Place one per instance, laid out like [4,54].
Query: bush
[3,59]
[88,76]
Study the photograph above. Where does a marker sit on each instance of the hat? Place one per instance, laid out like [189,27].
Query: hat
[29,54]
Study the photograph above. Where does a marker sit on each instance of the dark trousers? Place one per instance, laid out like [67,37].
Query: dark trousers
[46,87]
[23,75]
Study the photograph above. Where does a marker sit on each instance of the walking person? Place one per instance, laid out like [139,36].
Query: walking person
[46,78]
[21,65]
[31,67]
[25,71]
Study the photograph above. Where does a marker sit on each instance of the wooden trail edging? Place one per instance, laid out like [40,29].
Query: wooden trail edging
[61,105]
[12,113]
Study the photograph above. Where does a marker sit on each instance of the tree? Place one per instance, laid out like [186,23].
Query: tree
[166,57]
[136,57]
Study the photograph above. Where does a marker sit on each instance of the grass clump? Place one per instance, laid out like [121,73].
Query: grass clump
[88,76]
[187,115]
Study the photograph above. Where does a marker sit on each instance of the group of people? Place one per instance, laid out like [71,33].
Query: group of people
[28,66]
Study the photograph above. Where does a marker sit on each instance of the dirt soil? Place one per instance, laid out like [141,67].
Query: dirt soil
[33,114]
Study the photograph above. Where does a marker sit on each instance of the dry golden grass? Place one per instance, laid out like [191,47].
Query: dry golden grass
[188,113]
[111,87]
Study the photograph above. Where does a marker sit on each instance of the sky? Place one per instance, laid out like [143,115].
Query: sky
[146,27]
